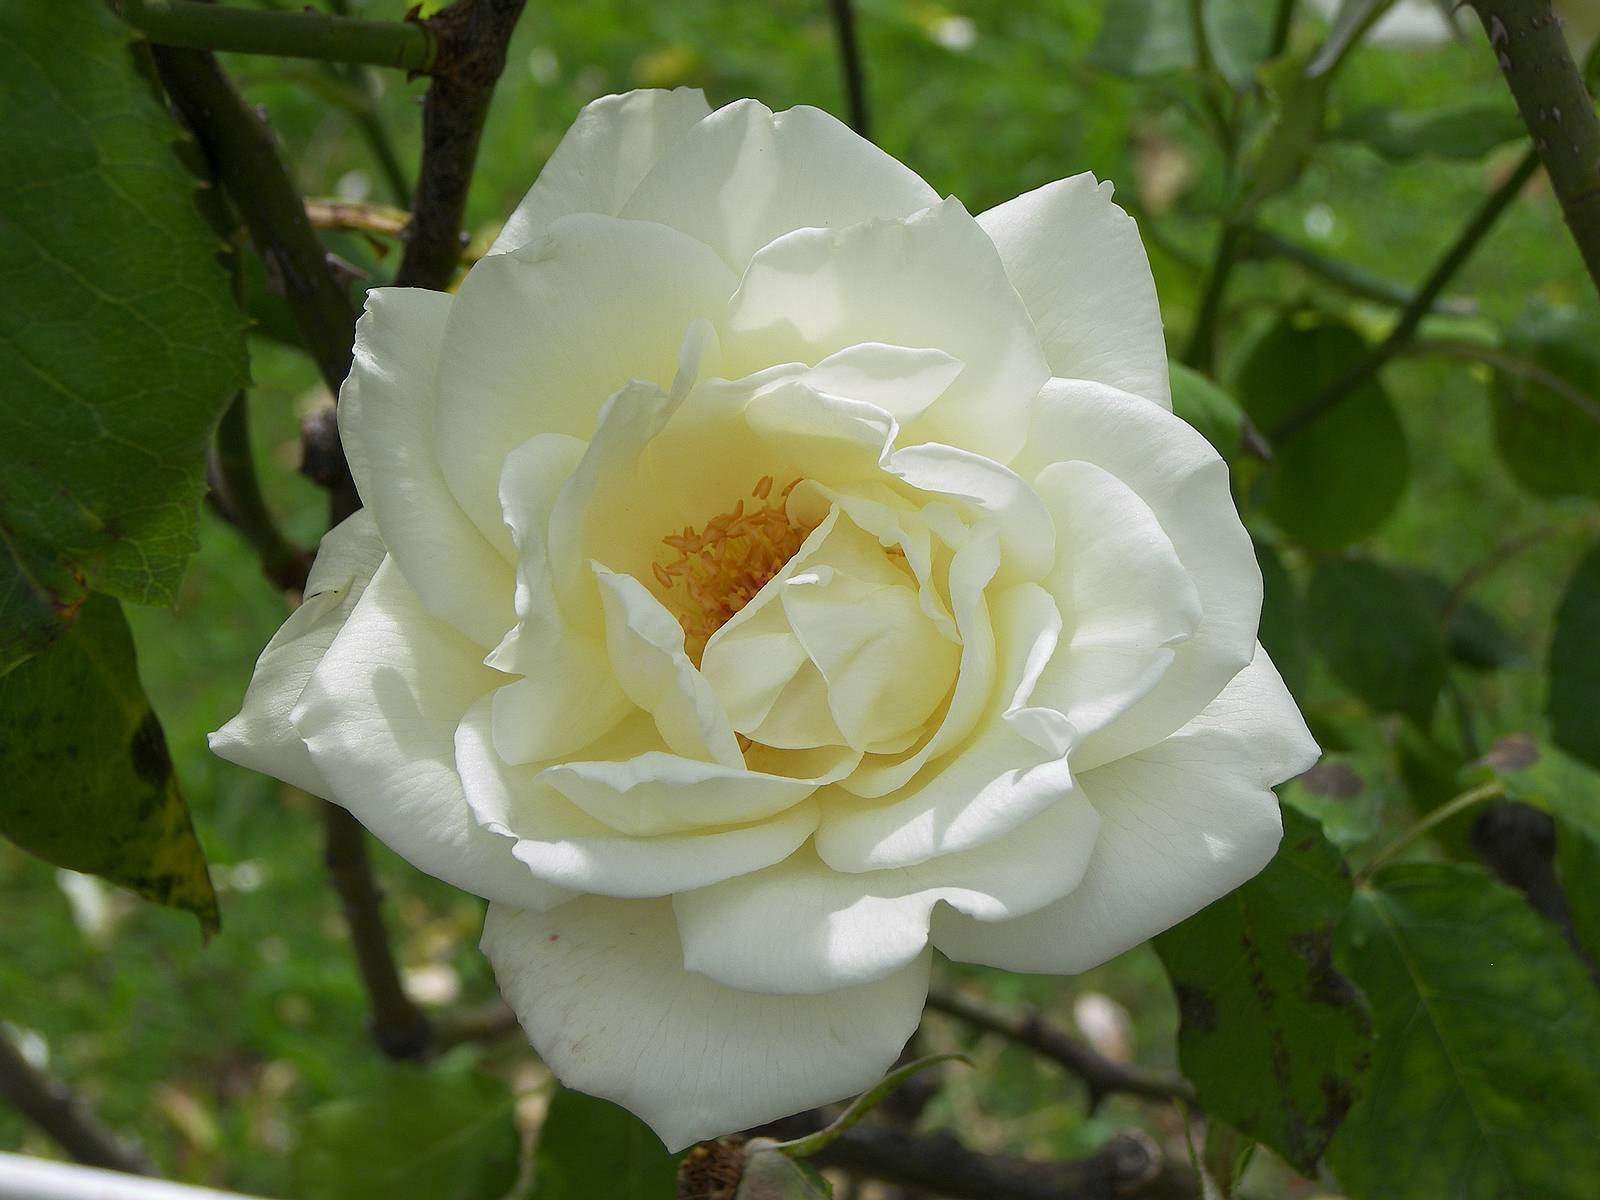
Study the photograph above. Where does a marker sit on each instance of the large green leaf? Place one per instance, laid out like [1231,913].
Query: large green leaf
[445,1132]
[1144,38]
[590,1147]
[120,343]
[1474,637]
[1462,131]
[1550,439]
[1487,1080]
[1337,480]
[87,782]
[1273,1036]
[1575,664]
[1377,635]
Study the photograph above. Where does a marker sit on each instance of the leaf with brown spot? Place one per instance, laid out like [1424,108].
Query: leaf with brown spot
[87,780]
[1274,1036]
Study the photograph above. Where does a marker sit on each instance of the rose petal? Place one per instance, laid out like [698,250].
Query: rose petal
[1077,261]
[539,338]
[802,927]
[568,695]
[745,175]
[600,988]
[1176,472]
[932,279]
[379,716]
[1126,602]
[613,143]
[994,781]
[645,644]
[386,426]
[560,843]
[261,737]
[1182,823]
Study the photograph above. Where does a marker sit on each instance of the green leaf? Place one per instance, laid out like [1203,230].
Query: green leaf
[1485,1085]
[445,1132]
[1297,102]
[1142,38]
[1546,778]
[1464,132]
[770,1174]
[1208,408]
[1575,664]
[1339,479]
[1282,623]
[1550,440]
[590,1147]
[1475,637]
[120,342]
[1273,1036]
[88,783]
[1346,792]
[1377,636]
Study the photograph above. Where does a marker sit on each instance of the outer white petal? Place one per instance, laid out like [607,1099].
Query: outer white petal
[610,147]
[1182,823]
[386,424]
[1176,472]
[745,176]
[379,716]
[1077,261]
[801,927]
[538,339]
[1126,602]
[932,279]
[600,988]
[563,845]
[261,737]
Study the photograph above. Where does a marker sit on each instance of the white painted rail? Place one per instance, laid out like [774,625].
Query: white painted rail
[23,1178]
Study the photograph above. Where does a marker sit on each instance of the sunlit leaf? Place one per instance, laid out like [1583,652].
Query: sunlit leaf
[1484,1085]
[127,345]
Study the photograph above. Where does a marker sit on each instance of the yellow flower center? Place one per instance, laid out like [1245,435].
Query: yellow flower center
[720,567]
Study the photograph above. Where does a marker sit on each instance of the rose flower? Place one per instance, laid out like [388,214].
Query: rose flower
[770,574]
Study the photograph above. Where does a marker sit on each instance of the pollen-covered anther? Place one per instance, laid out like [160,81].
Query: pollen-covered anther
[720,567]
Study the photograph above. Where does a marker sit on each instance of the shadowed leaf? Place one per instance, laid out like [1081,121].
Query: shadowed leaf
[1275,1039]
[85,776]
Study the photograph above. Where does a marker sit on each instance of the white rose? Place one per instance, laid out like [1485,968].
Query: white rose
[771,573]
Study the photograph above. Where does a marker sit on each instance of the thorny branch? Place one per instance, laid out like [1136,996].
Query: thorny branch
[1556,107]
